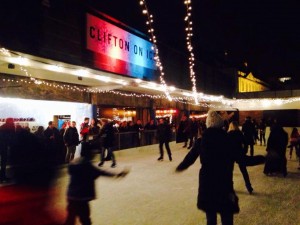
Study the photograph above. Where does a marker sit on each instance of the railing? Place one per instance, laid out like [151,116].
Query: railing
[124,140]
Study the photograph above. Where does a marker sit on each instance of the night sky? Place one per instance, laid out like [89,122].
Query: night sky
[263,33]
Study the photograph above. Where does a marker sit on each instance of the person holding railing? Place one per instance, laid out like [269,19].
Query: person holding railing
[150,129]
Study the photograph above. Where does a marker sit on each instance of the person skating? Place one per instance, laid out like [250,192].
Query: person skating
[107,134]
[237,142]
[81,189]
[164,135]
[216,193]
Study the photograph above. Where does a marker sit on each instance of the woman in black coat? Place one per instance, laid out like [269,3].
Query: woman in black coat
[215,193]
[237,142]
[276,148]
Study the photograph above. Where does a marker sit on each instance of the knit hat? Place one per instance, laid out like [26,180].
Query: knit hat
[214,120]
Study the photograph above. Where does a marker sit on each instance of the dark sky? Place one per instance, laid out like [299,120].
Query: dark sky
[265,34]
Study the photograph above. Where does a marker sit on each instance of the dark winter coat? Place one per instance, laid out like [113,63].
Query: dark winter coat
[276,148]
[71,136]
[7,135]
[249,131]
[277,141]
[82,179]
[164,132]
[53,142]
[215,176]
[237,142]
[107,134]
[183,131]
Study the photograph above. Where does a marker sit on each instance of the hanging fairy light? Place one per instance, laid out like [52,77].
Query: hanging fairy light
[152,38]
[208,101]
[189,35]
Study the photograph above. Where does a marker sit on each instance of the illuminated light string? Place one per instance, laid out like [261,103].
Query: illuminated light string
[183,100]
[149,23]
[189,35]
[21,61]
[206,100]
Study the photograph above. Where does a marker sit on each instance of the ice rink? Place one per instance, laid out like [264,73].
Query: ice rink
[153,194]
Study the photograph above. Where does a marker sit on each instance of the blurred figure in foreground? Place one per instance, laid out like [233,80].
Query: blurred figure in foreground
[81,188]
[7,132]
[215,193]
[26,200]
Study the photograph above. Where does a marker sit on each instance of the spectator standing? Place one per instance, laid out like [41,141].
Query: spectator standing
[194,132]
[215,193]
[26,200]
[81,189]
[123,126]
[107,134]
[39,133]
[7,135]
[164,135]
[150,129]
[84,129]
[93,135]
[52,138]
[294,141]
[62,146]
[138,129]
[262,132]
[71,139]
[249,132]
[94,129]
[256,126]
[133,134]
[183,131]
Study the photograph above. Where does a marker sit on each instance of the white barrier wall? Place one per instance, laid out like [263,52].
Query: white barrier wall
[42,111]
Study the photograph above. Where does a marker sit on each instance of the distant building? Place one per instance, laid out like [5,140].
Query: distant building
[249,83]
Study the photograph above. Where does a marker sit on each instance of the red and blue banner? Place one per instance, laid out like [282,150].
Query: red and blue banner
[118,51]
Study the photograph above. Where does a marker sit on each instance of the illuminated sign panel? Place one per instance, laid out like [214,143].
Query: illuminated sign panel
[113,45]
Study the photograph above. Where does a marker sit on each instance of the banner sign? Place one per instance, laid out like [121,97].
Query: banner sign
[109,40]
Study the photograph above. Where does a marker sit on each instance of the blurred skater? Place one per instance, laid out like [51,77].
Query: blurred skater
[81,188]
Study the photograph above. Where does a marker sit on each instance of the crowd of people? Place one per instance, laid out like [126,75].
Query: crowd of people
[43,150]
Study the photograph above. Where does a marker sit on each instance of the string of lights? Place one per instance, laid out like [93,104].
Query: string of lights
[207,101]
[29,80]
[149,23]
[189,35]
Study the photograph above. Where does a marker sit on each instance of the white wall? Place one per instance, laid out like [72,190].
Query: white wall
[43,111]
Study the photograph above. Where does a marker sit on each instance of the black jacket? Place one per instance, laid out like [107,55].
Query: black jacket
[82,182]
[215,175]
[164,132]
[71,136]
